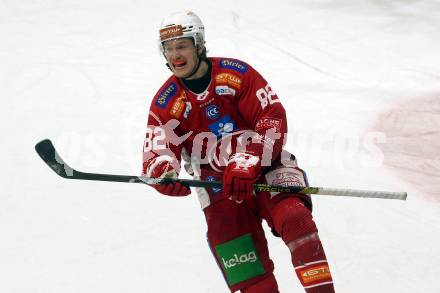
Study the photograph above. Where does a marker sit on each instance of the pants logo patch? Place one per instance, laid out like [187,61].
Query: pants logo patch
[239,259]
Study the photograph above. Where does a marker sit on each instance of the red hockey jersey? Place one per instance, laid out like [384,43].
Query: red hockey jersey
[238,100]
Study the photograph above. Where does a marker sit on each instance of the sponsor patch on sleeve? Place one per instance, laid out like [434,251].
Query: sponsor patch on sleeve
[234,65]
[178,106]
[268,123]
[164,97]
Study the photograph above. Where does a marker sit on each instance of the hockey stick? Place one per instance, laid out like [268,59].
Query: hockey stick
[47,152]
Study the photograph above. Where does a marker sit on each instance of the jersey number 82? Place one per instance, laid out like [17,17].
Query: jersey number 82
[267,96]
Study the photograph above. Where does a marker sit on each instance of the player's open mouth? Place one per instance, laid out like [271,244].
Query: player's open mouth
[179,64]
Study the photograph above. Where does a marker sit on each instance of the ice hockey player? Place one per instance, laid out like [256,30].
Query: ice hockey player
[221,117]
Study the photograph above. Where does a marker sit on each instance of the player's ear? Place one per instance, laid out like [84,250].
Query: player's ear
[201,50]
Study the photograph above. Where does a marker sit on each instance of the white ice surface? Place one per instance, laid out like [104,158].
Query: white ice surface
[83,74]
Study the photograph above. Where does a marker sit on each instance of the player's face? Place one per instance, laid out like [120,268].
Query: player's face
[181,55]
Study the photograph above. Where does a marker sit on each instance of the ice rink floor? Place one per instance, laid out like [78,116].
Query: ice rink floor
[360,81]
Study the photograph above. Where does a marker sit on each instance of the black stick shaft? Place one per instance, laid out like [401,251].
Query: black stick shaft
[47,152]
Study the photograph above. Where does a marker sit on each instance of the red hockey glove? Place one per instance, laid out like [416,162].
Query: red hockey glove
[163,169]
[240,175]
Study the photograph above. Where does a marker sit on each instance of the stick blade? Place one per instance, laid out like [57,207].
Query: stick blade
[48,154]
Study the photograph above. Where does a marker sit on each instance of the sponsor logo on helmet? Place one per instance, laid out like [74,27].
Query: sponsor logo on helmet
[212,112]
[228,79]
[234,65]
[223,126]
[315,273]
[171,32]
[214,189]
[166,95]
[178,106]
[222,90]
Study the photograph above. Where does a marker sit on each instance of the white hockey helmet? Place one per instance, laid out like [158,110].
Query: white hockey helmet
[183,24]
